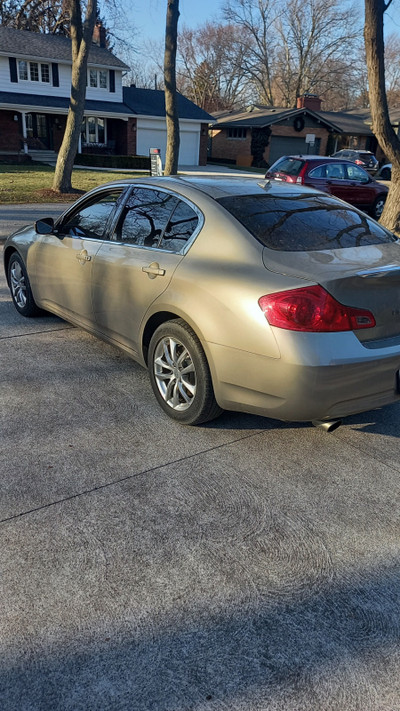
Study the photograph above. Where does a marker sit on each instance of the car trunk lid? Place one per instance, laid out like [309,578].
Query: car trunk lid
[364,277]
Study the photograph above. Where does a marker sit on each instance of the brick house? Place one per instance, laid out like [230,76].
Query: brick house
[35,84]
[260,134]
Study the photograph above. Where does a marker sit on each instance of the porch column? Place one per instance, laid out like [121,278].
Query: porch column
[24,132]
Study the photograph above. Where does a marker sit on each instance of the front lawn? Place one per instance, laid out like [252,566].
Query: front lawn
[32,183]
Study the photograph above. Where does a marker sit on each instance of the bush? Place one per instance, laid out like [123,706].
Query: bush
[105,161]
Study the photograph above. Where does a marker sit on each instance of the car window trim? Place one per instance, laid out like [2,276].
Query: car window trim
[80,204]
[160,189]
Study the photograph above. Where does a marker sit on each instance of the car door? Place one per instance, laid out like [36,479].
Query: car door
[360,184]
[63,260]
[337,182]
[136,265]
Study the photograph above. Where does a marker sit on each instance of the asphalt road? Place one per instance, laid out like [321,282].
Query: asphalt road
[245,565]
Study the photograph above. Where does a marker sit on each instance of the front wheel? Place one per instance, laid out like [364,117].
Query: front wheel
[179,374]
[20,287]
[378,206]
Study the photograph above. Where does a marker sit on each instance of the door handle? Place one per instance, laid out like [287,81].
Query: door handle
[153,270]
[83,256]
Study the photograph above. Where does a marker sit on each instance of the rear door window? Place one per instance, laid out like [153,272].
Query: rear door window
[145,217]
[302,223]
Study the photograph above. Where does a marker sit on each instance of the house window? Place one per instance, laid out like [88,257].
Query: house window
[33,71]
[237,132]
[98,78]
[93,131]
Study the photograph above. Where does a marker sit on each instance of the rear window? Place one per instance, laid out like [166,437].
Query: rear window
[289,166]
[303,223]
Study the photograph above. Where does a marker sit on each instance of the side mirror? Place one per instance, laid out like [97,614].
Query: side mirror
[44,226]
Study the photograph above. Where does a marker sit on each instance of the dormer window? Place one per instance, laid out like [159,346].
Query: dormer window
[33,71]
[98,78]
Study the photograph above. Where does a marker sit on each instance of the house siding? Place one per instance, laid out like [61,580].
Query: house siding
[64,89]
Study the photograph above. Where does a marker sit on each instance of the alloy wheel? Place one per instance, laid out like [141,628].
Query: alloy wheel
[174,373]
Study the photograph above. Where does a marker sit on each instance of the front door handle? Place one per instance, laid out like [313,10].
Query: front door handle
[83,256]
[153,270]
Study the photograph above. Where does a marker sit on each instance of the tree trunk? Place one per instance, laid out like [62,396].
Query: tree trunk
[171,103]
[81,37]
[381,127]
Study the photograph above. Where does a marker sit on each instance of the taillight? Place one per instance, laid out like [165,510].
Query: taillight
[358,162]
[312,308]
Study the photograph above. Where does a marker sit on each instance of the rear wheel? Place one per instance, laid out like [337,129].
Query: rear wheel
[386,174]
[179,374]
[20,287]
[378,206]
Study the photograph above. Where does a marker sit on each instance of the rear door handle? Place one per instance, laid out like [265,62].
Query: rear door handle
[153,270]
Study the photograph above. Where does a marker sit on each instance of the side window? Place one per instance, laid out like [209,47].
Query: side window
[356,173]
[335,171]
[91,220]
[318,172]
[145,217]
[180,228]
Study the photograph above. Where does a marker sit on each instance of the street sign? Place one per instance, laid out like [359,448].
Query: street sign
[310,138]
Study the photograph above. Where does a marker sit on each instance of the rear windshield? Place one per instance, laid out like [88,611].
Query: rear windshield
[289,166]
[303,223]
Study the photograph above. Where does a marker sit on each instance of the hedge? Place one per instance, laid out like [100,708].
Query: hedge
[106,161]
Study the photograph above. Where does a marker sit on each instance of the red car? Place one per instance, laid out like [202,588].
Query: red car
[341,178]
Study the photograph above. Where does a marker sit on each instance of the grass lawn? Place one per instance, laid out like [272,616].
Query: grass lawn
[32,183]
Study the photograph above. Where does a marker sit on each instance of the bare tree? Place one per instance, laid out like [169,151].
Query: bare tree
[255,19]
[81,38]
[381,126]
[210,68]
[171,101]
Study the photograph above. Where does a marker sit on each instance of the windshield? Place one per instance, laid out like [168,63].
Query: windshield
[302,223]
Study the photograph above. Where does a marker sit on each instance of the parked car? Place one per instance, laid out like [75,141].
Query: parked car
[262,297]
[365,159]
[385,172]
[341,178]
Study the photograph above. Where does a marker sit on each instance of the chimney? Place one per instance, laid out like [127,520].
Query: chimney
[99,34]
[309,101]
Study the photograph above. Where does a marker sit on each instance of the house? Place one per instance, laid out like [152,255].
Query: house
[35,85]
[260,134]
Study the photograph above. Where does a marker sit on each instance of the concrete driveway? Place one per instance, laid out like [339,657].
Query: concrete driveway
[245,565]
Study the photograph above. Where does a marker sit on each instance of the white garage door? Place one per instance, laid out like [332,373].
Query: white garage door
[189,144]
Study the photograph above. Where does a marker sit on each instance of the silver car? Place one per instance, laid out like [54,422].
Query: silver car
[261,297]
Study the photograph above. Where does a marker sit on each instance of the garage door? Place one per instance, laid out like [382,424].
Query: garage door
[189,144]
[289,146]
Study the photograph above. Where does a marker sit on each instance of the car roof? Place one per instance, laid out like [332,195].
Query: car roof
[319,159]
[216,187]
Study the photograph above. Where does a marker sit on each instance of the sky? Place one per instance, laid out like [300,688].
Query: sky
[149,15]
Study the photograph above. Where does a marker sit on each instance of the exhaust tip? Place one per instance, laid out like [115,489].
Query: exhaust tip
[327,425]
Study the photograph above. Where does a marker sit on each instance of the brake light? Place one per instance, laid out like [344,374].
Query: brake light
[358,162]
[313,309]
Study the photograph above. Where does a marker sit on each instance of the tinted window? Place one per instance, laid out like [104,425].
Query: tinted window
[301,223]
[180,228]
[356,173]
[91,220]
[290,166]
[318,172]
[335,171]
[145,217]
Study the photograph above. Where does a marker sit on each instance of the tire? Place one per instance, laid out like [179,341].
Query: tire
[378,206]
[386,174]
[179,374]
[20,287]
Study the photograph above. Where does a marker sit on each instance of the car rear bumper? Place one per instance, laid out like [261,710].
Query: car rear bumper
[307,383]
